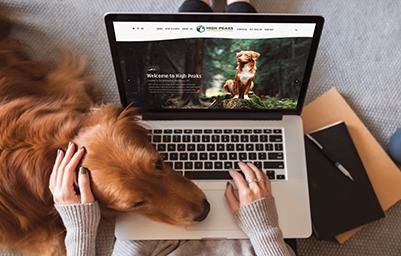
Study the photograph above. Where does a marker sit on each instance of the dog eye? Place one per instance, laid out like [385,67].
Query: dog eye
[139,204]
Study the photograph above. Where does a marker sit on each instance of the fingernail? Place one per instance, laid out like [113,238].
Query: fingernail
[70,144]
[228,184]
[59,151]
[83,170]
[83,148]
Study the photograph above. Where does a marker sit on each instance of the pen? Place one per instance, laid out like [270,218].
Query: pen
[336,163]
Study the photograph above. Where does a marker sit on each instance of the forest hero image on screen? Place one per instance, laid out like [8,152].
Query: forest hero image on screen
[214,73]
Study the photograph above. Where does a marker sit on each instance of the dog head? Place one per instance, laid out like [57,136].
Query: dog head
[247,56]
[128,173]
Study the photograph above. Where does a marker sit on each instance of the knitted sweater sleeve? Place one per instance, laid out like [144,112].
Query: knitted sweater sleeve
[259,220]
[81,222]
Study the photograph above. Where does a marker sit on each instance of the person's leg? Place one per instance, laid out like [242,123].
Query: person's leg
[240,6]
[195,6]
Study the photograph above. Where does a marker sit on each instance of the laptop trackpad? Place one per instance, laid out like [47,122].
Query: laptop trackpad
[220,216]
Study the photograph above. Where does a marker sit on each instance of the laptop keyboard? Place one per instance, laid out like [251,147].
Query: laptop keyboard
[207,154]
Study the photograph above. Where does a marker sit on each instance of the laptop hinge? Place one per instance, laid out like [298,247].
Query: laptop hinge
[212,116]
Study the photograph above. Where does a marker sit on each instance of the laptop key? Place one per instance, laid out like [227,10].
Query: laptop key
[186,138]
[202,156]
[210,147]
[181,147]
[262,156]
[193,156]
[276,156]
[205,138]
[171,147]
[269,147]
[278,147]
[196,138]
[166,138]
[188,165]
[187,131]
[184,156]
[173,156]
[209,175]
[225,138]
[201,147]
[176,138]
[280,177]
[178,165]
[232,156]
[161,147]
[240,147]
[249,147]
[198,165]
[230,147]
[273,165]
[208,165]
[157,138]
[212,156]
[252,156]
[215,138]
[242,156]
[218,165]
[271,175]
[191,147]
[259,147]
[220,147]
[228,165]
[276,138]
[223,156]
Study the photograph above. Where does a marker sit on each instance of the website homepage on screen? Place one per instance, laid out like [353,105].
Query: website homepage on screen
[216,66]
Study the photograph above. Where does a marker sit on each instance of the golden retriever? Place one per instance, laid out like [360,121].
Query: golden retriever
[42,109]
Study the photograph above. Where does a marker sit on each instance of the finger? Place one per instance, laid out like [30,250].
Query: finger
[238,179]
[231,198]
[69,172]
[259,175]
[248,172]
[54,174]
[84,186]
[67,157]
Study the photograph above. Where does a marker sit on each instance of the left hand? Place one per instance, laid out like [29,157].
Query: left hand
[62,178]
[256,187]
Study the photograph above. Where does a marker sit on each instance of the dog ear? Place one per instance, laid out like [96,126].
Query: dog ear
[238,54]
[255,55]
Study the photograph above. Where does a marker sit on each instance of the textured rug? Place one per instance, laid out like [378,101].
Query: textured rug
[359,54]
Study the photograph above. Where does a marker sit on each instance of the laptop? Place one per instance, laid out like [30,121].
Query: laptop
[173,67]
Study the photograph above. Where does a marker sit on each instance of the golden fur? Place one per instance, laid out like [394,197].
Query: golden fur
[42,109]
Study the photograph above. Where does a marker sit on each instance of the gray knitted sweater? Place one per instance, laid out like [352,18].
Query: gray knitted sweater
[258,220]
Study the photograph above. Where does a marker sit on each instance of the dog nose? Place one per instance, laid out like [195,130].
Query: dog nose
[206,210]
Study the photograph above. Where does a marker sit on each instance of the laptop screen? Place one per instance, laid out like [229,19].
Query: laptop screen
[173,63]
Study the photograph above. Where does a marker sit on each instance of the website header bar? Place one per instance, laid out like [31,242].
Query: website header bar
[126,31]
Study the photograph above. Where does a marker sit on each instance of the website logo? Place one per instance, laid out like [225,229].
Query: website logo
[200,29]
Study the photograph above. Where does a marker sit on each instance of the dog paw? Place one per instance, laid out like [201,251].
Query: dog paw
[236,97]
[246,97]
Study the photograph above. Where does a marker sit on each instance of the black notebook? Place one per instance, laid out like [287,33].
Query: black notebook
[338,204]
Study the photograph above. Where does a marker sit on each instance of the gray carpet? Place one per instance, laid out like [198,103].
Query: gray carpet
[359,54]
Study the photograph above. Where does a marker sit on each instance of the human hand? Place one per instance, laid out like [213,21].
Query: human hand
[257,186]
[62,178]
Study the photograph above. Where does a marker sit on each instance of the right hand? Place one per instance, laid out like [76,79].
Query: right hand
[62,178]
[256,186]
